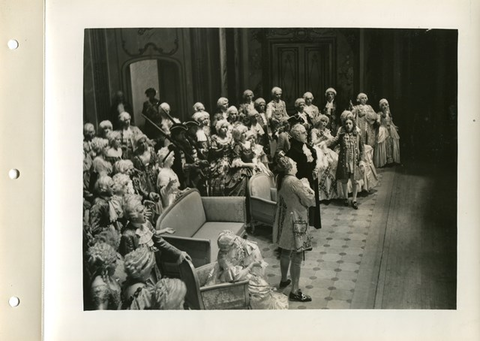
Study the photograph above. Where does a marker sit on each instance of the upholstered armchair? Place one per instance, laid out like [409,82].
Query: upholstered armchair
[218,296]
[263,196]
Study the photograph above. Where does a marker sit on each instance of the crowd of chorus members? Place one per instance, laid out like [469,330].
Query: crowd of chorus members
[131,176]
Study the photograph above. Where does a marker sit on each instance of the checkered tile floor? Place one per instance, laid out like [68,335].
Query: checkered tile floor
[329,273]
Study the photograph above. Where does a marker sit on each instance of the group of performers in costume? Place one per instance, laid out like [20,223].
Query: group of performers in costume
[129,173]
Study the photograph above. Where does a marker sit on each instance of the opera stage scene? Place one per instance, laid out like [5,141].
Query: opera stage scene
[269,168]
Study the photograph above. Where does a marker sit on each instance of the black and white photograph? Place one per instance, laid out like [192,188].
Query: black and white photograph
[249,170]
[269,168]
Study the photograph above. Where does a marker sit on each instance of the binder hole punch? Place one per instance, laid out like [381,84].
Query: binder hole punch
[14,301]
[13,173]
[12,44]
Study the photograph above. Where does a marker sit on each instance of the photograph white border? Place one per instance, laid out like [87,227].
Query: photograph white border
[63,307]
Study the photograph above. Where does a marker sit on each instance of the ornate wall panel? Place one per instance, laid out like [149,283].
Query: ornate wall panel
[301,67]
[155,42]
[327,58]
[285,70]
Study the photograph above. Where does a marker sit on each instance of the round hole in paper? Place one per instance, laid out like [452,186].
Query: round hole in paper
[12,44]
[14,301]
[13,173]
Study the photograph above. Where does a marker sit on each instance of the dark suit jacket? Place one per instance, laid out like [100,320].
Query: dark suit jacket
[305,169]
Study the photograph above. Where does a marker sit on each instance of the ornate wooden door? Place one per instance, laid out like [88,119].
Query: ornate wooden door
[301,67]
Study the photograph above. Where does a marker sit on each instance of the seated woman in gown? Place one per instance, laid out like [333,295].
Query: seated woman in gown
[242,166]
[105,292]
[167,181]
[106,210]
[144,160]
[114,151]
[100,165]
[220,158]
[104,128]
[221,114]
[239,259]
[140,232]
[142,291]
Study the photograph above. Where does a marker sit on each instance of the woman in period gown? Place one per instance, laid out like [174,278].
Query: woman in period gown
[361,113]
[114,152]
[242,167]
[327,159]
[106,211]
[105,291]
[146,172]
[142,274]
[221,114]
[100,165]
[260,159]
[387,149]
[220,158]
[142,246]
[104,128]
[167,182]
[140,232]
[239,259]
[145,160]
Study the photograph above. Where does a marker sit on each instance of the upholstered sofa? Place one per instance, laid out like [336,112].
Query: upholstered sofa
[199,220]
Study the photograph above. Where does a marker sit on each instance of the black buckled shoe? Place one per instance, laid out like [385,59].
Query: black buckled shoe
[284,284]
[355,205]
[299,297]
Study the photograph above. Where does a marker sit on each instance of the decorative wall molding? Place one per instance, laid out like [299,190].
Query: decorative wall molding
[299,34]
[135,43]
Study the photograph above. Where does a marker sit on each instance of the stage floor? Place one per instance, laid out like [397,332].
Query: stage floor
[397,251]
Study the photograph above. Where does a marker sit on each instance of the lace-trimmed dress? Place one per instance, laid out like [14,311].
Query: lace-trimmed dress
[327,161]
[387,149]
[168,194]
[229,269]
[147,172]
[221,157]
[237,178]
